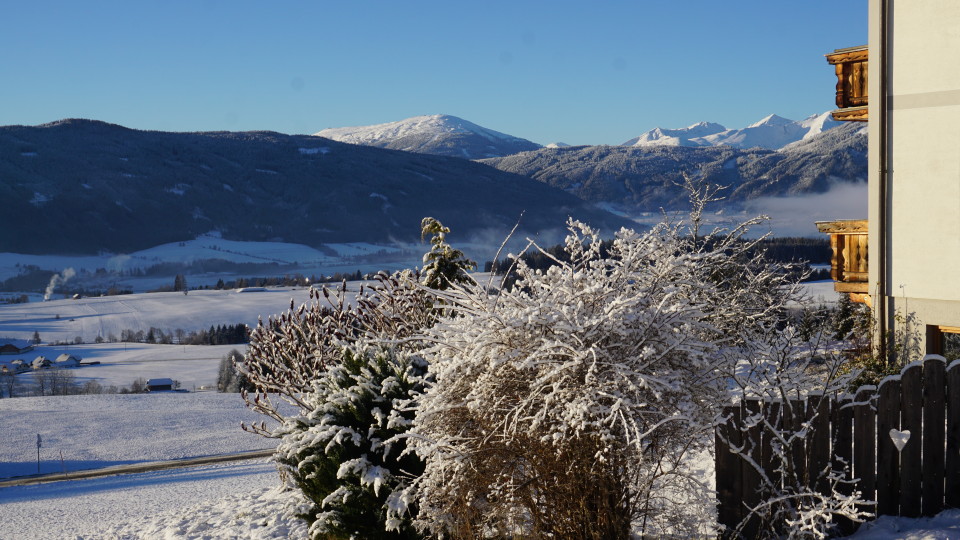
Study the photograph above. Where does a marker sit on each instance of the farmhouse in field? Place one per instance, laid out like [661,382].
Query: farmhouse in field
[20,365]
[67,360]
[41,362]
[914,175]
[160,385]
[15,346]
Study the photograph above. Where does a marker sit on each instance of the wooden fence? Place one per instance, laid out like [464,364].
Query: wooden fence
[854,434]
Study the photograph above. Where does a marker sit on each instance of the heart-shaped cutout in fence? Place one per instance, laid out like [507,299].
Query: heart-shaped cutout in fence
[899,438]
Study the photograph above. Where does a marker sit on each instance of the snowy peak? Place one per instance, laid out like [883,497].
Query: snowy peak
[441,134]
[772,132]
[676,137]
[436,124]
[818,123]
[772,120]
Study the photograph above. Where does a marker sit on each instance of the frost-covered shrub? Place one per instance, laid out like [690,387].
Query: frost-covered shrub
[289,352]
[566,405]
[344,456]
[345,366]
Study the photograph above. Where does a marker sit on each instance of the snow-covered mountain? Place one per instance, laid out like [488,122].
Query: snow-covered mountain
[82,186]
[773,132]
[688,136]
[644,178]
[438,134]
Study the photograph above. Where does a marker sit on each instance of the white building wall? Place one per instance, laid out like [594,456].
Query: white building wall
[923,157]
[925,153]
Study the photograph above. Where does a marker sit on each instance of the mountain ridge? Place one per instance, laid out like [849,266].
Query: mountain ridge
[80,186]
[771,132]
[438,134]
[643,178]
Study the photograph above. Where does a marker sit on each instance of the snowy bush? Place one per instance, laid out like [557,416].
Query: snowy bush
[229,378]
[566,405]
[347,367]
[342,454]
[289,352]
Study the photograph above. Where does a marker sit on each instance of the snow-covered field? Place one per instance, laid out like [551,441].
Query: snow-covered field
[239,500]
[332,258]
[233,500]
[236,500]
[194,366]
[94,431]
[88,318]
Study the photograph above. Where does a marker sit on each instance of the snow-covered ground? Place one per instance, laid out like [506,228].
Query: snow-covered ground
[194,366]
[233,500]
[95,431]
[88,318]
[236,500]
[241,500]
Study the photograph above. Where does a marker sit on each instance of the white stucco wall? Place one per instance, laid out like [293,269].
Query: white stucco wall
[924,155]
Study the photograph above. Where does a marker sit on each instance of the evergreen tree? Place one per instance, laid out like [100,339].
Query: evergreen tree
[442,265]
[179,283]
[345,455]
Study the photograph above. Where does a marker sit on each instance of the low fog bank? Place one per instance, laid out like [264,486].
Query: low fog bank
[796,215]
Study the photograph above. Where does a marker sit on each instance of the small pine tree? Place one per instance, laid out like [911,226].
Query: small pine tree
[442,265]
[344,455]
[36,337]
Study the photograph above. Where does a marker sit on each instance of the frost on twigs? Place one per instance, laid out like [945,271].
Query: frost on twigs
[289,352]
[566,405]
[792,383]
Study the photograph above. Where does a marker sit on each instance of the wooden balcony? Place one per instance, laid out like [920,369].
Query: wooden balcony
[851,67]
[848,266]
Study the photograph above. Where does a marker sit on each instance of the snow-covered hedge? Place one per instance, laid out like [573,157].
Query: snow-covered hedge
[566,405]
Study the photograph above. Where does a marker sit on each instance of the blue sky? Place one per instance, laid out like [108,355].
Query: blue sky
[577,72]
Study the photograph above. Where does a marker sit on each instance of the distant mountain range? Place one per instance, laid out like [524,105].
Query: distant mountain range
[643,178]
[772,133]
[82,186]
[447,135]
[439,134]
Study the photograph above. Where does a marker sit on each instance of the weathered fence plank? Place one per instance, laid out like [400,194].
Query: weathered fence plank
[728,469]
[842,428]
[752,439]
[911,456]
[888,459]
[952,461]
[793,416]
[864,450]
[818,451]
[934,417]
[771,462]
